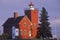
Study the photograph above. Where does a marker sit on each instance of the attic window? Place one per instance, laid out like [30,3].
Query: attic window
[24,24]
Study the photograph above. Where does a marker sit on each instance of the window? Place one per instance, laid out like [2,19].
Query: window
[34,24]
[24,24]
[24,32]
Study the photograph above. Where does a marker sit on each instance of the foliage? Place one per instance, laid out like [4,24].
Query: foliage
[5,36]
[44,29]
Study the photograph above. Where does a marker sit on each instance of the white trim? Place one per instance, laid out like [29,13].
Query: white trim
[25,19]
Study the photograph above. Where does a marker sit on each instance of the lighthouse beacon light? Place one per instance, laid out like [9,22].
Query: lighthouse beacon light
[31,6]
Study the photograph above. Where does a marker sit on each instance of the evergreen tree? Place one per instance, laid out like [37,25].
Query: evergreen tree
[44,29]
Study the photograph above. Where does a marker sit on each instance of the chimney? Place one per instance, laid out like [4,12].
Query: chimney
[15,14]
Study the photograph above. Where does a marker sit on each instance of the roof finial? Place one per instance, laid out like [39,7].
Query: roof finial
[31,4]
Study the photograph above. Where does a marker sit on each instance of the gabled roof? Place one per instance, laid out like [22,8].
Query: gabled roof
[13,21]
[25,17]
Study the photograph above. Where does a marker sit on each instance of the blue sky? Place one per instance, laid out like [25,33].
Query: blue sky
[8,7]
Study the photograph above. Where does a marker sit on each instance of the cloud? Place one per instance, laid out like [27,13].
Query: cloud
[55,22]
[54,36]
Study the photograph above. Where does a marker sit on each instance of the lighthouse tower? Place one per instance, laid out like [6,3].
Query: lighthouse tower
[32,14]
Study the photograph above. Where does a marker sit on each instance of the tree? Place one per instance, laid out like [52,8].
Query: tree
[44,29]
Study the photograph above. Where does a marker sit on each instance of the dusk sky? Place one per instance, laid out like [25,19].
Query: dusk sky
[8,7]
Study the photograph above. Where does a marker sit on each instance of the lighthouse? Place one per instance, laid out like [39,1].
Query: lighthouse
[23,26]
[32,14]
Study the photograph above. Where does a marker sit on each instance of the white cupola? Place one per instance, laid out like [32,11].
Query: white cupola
[31,6]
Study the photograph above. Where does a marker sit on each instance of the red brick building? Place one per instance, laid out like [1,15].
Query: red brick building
[27,24]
